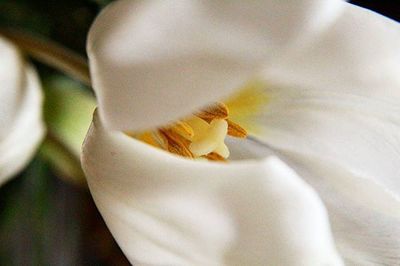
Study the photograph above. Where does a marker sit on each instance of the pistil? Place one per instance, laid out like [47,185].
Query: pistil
[199,136]
[202,135]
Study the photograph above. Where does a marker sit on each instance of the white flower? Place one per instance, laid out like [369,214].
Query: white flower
[330,74]
[21,125]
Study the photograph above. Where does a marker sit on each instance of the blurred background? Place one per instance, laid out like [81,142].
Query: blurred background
[47,216]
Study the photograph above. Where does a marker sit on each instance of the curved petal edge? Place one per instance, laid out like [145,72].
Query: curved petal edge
[164,209]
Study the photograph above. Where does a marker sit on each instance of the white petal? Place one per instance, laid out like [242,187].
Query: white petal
[367,149]
[358,55]
[166,210]
[11,79]
[21,126]
[364,216]
[360,138]
[345,104]
[152,62]
[334,110]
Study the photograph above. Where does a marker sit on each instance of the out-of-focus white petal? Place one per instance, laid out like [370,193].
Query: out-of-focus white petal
[152,62]
[334,110]
[166,210]
[11,79]
[358,55]
[21,125]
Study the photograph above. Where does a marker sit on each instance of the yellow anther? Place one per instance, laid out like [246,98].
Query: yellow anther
[202,135]
[149,139]
[182,128]
[218,110]
[213,156]
[176,144]
[235,130]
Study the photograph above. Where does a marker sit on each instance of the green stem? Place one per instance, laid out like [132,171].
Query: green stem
[71,171]
[50,53]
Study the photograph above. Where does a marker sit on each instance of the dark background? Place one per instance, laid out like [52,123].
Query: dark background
[43,219]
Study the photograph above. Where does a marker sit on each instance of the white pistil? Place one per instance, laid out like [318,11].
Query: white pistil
[211,139]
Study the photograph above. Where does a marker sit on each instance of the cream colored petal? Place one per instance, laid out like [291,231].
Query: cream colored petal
[166,210]
[21,127]
[152,62]
[364,216]
[363,141]
[357,56]
[362,144]
[343,104]
[334,110]
[11,79]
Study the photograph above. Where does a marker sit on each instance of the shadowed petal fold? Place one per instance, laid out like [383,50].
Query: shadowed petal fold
[334,111]
[338,98]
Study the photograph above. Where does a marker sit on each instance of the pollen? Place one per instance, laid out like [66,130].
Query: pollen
[202,135]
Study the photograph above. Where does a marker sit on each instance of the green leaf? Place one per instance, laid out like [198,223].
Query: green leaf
[68,113]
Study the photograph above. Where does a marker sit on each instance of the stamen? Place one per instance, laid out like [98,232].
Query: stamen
[160,139]
[176,144]
[149,139]
[235,130]
[218,110]
[182,128]
[202,136]
[213,156]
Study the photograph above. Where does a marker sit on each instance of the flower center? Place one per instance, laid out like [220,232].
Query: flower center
[202,135]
